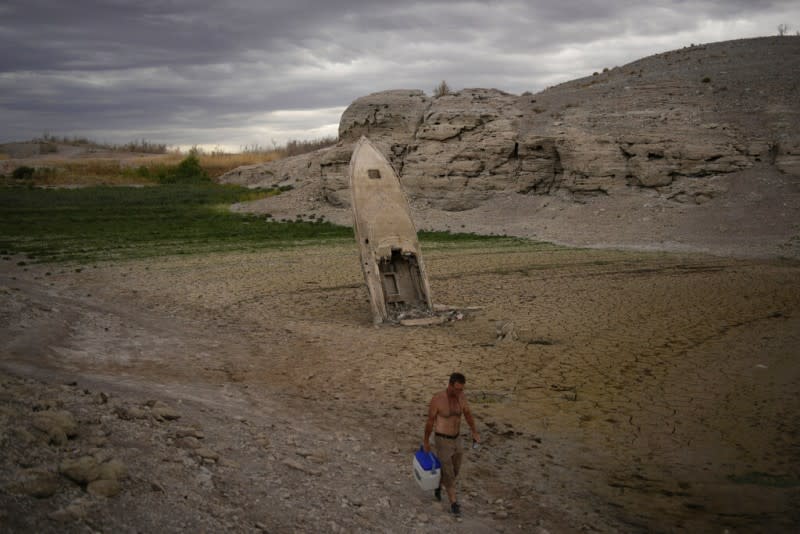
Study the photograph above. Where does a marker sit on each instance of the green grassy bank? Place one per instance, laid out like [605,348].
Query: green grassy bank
[111,223]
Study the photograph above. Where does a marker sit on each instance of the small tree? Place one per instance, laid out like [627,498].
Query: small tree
[783,29]
[23,173]
[188,171]
[441,89]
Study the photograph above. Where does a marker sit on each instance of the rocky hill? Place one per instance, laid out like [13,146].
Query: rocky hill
[697,149]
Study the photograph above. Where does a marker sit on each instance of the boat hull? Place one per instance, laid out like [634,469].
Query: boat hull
[391,258]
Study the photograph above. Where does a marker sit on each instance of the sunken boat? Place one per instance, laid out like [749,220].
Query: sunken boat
[391,259]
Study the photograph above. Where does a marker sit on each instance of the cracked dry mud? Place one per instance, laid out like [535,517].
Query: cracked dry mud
[615,391]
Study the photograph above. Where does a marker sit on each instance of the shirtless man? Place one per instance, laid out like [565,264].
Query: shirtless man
[444,420]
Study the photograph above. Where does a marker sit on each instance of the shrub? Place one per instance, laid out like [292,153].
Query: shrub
[188,171]
[143,146]
[441,89]
[23,173]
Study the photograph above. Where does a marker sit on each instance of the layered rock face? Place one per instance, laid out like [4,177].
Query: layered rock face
[664,123]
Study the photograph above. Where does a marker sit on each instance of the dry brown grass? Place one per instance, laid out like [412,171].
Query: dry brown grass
[217,164]
[134,169]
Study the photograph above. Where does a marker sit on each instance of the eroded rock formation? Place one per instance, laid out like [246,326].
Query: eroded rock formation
[665,123]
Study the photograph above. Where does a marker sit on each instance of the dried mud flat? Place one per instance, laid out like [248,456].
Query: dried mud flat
[615,391]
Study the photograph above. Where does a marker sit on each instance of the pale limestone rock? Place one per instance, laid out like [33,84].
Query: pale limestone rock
[646,129]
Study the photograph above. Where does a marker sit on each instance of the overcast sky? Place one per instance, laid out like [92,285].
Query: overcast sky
[234,74]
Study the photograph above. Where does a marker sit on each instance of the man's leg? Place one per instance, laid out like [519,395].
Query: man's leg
[447,451]
[456,459]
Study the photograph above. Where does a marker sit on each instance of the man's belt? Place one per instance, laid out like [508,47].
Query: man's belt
[445,436]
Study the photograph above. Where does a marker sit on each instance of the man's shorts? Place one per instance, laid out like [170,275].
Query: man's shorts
[450,454]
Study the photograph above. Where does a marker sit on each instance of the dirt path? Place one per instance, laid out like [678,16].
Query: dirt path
[615,391]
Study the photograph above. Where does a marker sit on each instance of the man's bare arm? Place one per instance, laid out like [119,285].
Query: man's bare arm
[426,441]
[471,422]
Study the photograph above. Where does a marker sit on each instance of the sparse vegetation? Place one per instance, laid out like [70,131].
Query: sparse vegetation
[141,146]
[188,171]
[23,173]
[783,29]
[151,165]
[441,90]
[297,147]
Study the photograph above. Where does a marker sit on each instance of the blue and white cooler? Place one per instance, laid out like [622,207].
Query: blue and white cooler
[427,469]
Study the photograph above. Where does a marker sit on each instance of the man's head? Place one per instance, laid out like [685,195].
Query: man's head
[456,384]
[457,378]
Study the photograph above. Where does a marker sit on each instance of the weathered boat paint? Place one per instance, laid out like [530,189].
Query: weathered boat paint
[391,258]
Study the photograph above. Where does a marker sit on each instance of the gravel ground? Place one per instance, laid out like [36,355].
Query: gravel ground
[618,391]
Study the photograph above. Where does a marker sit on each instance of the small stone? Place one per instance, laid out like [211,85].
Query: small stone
[76,510]
[188,442]
[161,410]
[207,454]
[112,470]
[189,432]
[59,425]
[104,488]
[35,482]
[81,470]
[128,413]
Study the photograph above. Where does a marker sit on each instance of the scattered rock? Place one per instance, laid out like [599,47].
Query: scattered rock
[207,454]
[112,470]
[300,467]
[129,413]
[81,470]
[59,425]
[189,432]
[104,487]
[76,510]
[162,411]
[188,442]
[35,482]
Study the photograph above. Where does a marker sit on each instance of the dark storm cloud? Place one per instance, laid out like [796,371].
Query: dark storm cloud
[214,72]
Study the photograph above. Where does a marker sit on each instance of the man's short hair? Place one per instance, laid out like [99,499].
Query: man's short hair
[457,377]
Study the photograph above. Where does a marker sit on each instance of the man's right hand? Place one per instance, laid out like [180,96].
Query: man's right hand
[426,445]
